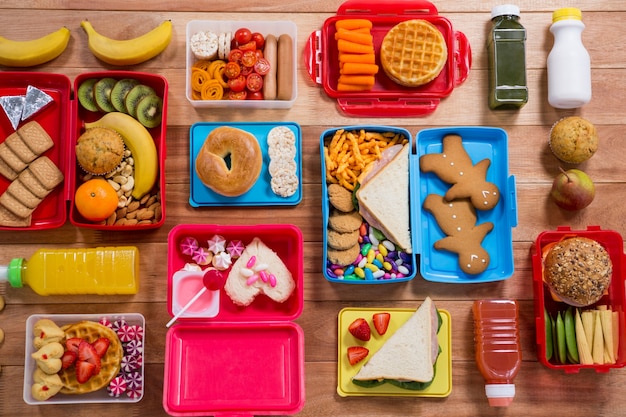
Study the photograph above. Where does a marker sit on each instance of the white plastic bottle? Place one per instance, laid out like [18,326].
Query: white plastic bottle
[569,65]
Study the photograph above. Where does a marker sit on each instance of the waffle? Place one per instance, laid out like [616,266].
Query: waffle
[413,52]
[110,362]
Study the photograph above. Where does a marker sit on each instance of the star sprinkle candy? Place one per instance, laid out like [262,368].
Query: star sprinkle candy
[217,244]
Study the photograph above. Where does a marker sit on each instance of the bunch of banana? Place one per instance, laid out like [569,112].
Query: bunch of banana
[141,145]
[33,52]
[129,51]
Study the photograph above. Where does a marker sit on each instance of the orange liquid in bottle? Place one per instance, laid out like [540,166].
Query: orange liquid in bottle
[498,353]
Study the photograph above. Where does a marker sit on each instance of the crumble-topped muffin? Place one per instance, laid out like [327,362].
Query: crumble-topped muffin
[99,150]
[573,139]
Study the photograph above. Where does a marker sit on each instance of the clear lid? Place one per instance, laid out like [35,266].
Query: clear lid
[12,272]
[505,10]
[500,395]
[565,13]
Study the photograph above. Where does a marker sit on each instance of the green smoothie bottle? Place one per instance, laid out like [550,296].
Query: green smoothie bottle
[507,59]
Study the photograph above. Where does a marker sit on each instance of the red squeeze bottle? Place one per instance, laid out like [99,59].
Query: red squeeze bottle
[498,352]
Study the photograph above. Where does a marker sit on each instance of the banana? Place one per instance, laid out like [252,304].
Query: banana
[34,52]
[129,51]
[141,145]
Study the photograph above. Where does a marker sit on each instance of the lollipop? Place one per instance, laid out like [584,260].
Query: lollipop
[235,248]
[202,257]
[217,244]
[222,261]
[188,246]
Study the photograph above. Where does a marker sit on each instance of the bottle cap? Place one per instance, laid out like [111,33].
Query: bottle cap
[505,10]
[567,13]
[12,272]
[500,395]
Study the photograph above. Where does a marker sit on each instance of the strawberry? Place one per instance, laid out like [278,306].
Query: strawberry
[87,353]
[356,354]
[381,322]
[72,344]
[360,329]
[84,371]
[101,345]
[68,359]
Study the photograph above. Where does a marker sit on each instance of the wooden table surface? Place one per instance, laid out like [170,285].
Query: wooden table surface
[540,391]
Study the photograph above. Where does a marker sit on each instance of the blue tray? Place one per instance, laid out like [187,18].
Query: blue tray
[260,194]
[480,143]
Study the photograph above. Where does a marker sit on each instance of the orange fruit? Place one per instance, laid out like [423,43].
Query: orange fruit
[96,199]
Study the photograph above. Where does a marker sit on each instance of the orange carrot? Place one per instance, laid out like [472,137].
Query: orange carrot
[357,79]
[353,24]
[358,68]
[353,36]
[358,58]
[353,87]
[361,30]
[355,48]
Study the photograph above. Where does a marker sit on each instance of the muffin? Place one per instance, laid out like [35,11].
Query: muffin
[578,270]
[573,139]
[99,150]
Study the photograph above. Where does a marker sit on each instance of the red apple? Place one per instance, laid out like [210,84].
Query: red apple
[573,190]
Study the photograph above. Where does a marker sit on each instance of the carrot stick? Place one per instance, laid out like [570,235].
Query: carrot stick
[353,36]
[357,79]
[353,24]
[358,68]
[355,48]
[357,58]
[352,87]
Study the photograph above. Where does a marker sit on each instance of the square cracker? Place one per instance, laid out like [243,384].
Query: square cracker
[15,206]
[31,183]
[23,194]
[11,159]
[35,137]
[7,171]
[20,148]
[46,172]
[8,219]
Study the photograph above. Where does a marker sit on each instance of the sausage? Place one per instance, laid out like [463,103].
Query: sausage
[285,68]
[269,81]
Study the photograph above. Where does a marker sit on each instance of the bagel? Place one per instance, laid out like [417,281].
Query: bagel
[229,161]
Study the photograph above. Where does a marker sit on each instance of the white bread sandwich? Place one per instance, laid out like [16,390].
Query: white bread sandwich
[383,197]
[408,357]
[259,270]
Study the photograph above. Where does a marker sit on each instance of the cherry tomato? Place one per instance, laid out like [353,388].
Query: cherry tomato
[237,84]
[232,70]
[245,71]
[255,95]
[259,54]
[262,66]
[259,40]
[237,95]
[243,35]
[248,59]
[250,46]
[254,82]
[235,55]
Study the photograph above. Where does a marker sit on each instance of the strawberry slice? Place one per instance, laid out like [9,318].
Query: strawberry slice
[87,353]
[360,329]
[101,345]
[84,371]
[381,322]
[72,344]
[356,354]
[68,359]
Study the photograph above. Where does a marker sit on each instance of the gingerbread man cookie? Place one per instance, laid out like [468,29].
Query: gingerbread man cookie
[457,219]
[454,166]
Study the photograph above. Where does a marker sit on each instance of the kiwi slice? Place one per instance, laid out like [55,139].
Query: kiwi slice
[85,94]
[119,91]
[102,94]
[150,110]
[135,95]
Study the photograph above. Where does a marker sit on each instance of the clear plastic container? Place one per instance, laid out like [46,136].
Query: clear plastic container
[507,59]
[102,271]
[569,64]
[498,351]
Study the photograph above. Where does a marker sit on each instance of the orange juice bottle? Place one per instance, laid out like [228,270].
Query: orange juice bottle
[498,352]
[102,271]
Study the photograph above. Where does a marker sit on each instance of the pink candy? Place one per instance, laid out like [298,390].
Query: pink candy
[217,244]
[129,364]
[235,248]
[106,322]
[126,333]
[134,380]
[134,348]
[188,246]
[201,256]
[118,324]
[117,386]
[135,393]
